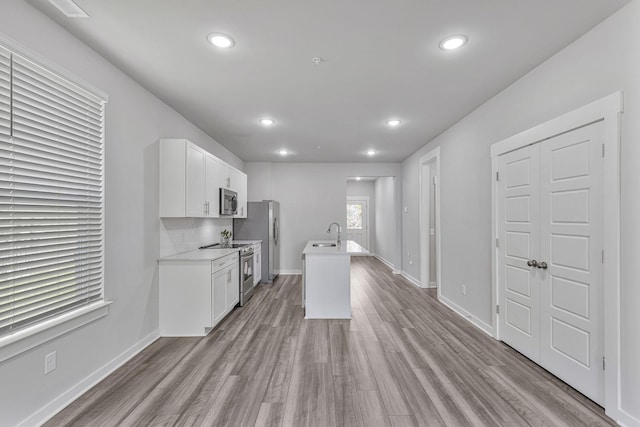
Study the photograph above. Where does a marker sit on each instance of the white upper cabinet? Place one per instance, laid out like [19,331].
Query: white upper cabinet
[191,178]
[225,176]
[212,187]
[196,202]
[232,179]
[241,189]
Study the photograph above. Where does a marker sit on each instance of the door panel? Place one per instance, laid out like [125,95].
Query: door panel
[518,192]
[195,188]
[571,226]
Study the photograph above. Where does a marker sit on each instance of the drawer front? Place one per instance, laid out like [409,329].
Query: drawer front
[224,262]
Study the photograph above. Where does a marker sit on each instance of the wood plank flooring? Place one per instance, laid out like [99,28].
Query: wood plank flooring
[403,360]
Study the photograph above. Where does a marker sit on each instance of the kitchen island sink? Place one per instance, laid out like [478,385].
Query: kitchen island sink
[326,278]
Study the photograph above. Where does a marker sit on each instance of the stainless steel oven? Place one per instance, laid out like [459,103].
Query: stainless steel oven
[246,273]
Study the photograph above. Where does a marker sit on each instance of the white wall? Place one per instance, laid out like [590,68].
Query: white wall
[135,120]
[312,196]
[367,189]
[260,187]
[387,216]
[603,61]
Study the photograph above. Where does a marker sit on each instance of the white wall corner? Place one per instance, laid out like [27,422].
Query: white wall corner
[411,279]
[387,263]
[63,400]
[480,324]
[625,419]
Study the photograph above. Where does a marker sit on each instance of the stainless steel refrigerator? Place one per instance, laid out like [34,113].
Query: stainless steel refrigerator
[262,223]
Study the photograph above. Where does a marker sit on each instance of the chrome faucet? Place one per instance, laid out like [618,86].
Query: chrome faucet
[339,230]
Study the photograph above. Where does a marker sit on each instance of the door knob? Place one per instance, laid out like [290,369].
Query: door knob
[533,263]
[543,265]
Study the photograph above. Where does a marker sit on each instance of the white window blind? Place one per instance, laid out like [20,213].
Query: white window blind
[51,194]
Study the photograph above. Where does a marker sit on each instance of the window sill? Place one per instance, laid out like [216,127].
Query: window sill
[26,339]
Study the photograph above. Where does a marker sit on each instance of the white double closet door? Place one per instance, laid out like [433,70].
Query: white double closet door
[550,228]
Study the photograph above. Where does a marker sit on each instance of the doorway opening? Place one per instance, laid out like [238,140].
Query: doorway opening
[358,220]
[372,212]
[430,271]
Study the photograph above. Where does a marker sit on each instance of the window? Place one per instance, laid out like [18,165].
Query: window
[51,194]
[354,216]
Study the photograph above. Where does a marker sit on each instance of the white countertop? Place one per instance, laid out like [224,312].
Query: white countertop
[347,247]
[207,254]
[201,254]
[247,242]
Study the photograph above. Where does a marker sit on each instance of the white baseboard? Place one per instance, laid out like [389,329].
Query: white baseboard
[625,419]
[484,327]
[411,279]
[387,263]
[59,403]
[290,272]
[433,284]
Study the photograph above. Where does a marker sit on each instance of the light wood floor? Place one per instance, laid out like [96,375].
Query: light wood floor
[404,359]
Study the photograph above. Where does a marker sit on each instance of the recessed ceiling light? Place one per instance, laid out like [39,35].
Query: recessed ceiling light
[371,152]
[283,152]
[358,178]
[220,40]
[453,42]
[393,122]
[267,122]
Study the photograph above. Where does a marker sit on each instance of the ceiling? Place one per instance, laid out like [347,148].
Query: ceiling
[381,60]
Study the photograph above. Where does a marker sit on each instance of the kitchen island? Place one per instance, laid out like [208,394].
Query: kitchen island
[326,278]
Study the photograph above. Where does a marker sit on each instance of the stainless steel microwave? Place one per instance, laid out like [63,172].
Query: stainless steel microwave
[228,202]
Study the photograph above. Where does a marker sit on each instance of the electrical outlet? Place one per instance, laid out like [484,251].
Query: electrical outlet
[49,362]
[463,289]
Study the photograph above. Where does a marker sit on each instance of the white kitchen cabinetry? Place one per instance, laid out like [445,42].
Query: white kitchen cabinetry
[191,178]
[219,301]
[257,263]
[212,189]
[241,179]
[235,180]
[196,294]
[233,288]
[188,180]
[226,290]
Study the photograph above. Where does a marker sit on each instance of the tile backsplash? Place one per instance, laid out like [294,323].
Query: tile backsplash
[185,234]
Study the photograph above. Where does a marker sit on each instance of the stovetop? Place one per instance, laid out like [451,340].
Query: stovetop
[244,247]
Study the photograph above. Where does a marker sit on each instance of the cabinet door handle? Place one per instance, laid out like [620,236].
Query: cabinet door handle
[543,265]
[532,263]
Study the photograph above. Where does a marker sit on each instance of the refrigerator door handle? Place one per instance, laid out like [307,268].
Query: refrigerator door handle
[275,231]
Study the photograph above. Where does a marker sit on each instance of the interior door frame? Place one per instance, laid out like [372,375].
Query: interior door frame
[368,230]
[429,160]
[608,110]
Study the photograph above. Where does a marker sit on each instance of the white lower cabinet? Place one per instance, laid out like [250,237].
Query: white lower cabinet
[196,295]
[233,289]
[226,291]
[219,294]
